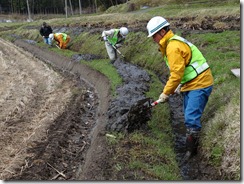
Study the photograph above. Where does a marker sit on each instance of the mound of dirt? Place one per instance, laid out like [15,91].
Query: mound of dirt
[135,85]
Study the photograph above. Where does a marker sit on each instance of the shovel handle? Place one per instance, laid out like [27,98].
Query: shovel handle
[156,102]
[118,51]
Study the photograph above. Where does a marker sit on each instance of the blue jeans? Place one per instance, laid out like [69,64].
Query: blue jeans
[194,104]
[47,40]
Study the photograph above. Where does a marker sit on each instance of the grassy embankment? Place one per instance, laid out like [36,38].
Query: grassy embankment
[151,154]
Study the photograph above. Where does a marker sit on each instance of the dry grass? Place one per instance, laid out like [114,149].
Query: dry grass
[231,158]
[224,131]
[31,97]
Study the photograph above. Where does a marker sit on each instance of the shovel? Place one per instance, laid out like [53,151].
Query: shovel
[140,113]
[156,102]
[101,38]
[57,46]
[118,51]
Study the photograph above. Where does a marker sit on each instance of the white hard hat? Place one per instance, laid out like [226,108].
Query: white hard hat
[156,24]
[123,31]
[51,36]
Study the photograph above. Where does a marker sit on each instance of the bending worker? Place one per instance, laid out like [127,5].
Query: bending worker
[188,69]
[114,39]
[62,39]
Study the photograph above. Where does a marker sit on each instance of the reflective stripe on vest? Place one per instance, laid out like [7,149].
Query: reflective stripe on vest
[200,68]
[197,64]
[113,40]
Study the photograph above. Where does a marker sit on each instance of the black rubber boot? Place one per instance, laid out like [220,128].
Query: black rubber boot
[192,141]
[112,62]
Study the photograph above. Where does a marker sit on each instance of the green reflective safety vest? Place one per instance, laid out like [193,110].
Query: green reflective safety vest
[113,40]
[197,65]
[64,35]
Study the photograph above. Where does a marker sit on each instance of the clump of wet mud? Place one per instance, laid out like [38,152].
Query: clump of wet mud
[139,114]
[135,85]
[86,57]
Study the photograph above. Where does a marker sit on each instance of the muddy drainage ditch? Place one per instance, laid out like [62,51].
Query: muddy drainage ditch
[114,111]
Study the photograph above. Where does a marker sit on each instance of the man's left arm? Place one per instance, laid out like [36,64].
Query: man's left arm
[50,29]
[120,42]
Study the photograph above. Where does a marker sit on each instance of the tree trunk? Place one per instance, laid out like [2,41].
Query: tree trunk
[96,6]
[111,2]
[28,9]
[80,7]
[12,8]
[66,9]
[71,8]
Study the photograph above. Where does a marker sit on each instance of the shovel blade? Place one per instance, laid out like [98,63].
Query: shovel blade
[139,114]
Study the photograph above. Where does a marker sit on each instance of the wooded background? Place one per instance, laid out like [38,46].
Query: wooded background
[55,6]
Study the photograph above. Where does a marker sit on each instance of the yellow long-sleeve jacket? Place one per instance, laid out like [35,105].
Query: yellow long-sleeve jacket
[179,55]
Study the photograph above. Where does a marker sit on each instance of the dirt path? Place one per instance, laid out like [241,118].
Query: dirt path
[48,116]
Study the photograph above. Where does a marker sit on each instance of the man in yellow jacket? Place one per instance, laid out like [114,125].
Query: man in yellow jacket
[62,39]
[189,74]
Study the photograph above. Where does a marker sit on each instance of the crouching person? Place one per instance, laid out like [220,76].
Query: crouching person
[61,39]
[114,38]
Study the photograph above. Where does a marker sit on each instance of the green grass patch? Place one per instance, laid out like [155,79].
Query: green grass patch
[146,156]
[108,70]
[222,113]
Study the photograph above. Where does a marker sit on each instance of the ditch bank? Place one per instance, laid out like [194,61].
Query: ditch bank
[88,158]
[106,114]
[109,114]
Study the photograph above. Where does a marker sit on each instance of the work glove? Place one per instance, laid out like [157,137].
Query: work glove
[118,45]
[104,38]
[163,98]
[177,90]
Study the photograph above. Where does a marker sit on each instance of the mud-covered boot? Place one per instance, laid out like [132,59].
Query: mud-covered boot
[112,62]
[192,141]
